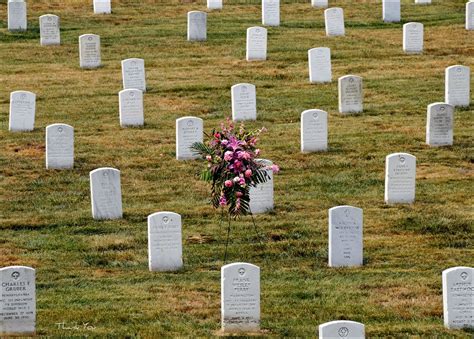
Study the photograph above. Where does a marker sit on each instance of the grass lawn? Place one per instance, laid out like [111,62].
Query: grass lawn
[96,272]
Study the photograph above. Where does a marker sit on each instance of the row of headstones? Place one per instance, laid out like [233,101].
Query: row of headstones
[197,21]
[256,36]
[257,44]
[314,133]
[106,196]
[240,301]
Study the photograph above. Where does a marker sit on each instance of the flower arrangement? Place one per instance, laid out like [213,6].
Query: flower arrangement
[232,167]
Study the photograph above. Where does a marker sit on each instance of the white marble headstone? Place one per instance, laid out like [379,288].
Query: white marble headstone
[351,96]
[59,146]
[457,85]
[102,7]
[400,177]
[271,12]
[106,193]
[458,297]
[342,329]
[391,10]
[413,38]
[214,4]
[188,131]
[256,43]
[22,111]
[17,15]
[240,297]
[470,15]
[319,60]
[261,196]
[89,51]
[244,102]
[133,74]
[197,26]
[345,236]
[439,124]
[314,130]
[165,247]
[422,2]
[319,3]
[334,19]
[17,300]
[49,30]
[131,107]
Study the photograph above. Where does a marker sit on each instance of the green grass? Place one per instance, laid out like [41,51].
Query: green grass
[96,272]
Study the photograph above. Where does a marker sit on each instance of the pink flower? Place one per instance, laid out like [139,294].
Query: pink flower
[275,168]
[238,194]
[236,179]
[217,135]
[228,155]
[244,155]
[242,182]
[248,173]
[257,151]
[237,165]
[208,158]
[225,142]
[222,200]
[228,183]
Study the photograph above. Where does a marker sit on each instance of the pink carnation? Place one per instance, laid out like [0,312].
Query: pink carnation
[228,183]
[275,168]
[238,194]
[242,182]
[228,155]
[248,173]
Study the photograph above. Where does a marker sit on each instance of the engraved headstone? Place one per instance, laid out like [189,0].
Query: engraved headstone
[17,300]
[89,51]
[314,130]
[49,30]
[244,102]
[400,176]
[470,15]
[240,297]
[458,297]
[214,4]
[413,37]
[133,74]
[102,7]
[197,26]
[439,124]
[391,10]
[22,111]
[457,85]
[165,248]
[17,15]
[320,65]
[345,236]
[422,2]
[351,99]
[188,131]
[334,19]
[131,107]
[342,329]
[59,146]
[256,43]
[106,193]
[319,3]
[271,12]
[261,196]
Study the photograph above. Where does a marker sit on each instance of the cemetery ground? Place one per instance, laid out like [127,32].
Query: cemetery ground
[96,272]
